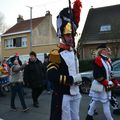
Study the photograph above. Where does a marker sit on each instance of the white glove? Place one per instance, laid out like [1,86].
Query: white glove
[77,78]
[110,83]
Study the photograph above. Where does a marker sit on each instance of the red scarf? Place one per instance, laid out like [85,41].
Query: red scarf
[63,46]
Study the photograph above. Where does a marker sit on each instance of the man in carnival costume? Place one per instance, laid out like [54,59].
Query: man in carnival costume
[102,77]
[63,69]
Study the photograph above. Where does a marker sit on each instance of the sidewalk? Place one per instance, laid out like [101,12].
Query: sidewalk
[41,113]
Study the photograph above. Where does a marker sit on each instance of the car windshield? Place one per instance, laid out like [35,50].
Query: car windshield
[116,67]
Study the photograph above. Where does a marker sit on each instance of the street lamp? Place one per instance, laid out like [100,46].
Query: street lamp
[30,27]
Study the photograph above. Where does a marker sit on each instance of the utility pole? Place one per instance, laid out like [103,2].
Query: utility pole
[30,27]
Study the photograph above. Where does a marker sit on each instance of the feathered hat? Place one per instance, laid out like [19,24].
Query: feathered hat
[101,46]
[68,19]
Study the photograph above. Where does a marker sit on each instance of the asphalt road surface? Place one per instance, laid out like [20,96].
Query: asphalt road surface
[42,113]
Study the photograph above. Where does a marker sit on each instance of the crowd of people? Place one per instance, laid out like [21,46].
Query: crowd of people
[16,75]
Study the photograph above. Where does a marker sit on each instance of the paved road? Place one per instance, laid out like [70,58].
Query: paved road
[42,113]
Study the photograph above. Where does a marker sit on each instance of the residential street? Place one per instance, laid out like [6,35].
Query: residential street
[41,113]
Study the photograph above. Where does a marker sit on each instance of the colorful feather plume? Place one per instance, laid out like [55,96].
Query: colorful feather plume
[77,5]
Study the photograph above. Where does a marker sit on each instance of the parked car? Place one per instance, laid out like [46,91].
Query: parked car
[87,78]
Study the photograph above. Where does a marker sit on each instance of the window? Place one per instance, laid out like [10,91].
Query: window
[105,28]
[24,42]
[9,43]
[16,42]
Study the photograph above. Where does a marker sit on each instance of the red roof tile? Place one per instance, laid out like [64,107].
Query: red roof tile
[24,25]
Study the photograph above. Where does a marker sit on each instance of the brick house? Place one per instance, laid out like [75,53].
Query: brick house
[102,26]
[17,38]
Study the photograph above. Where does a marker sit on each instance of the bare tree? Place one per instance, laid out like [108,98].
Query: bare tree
[3,26]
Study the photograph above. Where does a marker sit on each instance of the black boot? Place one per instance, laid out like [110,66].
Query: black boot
[116,111]
[95,112]
[36,104]
[89,117]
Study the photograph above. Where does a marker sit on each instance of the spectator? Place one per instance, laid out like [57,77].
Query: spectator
[7,73]
[48,82]
[1,80]
[17,85]
[11,61]
[4,77]
[34,76]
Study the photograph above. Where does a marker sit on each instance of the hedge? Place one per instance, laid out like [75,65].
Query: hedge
[86,65]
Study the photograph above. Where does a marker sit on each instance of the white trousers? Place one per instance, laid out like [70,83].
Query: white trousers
[106,109]
[70,107]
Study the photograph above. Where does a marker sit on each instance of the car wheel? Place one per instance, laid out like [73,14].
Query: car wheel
[85,86]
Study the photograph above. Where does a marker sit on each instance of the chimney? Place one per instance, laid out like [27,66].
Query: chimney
[20,18]
[47,13]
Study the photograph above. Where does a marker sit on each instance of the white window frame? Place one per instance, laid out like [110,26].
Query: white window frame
[24,41]
[9,42]
[105,28]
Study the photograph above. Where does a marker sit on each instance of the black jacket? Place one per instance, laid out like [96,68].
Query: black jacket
[34,74]
[98,67]
[58,74]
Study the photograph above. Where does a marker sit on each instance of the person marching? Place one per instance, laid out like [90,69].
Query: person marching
[102,84]
[17,85]
[33,77]
[113,101]
[63,70]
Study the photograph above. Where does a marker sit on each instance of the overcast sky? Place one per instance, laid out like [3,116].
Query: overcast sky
[12,8]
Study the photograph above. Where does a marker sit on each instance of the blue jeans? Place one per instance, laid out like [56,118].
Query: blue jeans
[49,85]
[17,88]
